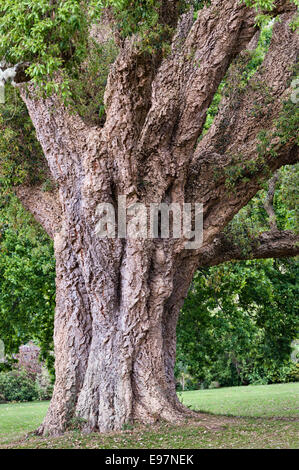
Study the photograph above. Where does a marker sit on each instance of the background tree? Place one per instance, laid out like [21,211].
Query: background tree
[238,323]
[27,282]
[117,300]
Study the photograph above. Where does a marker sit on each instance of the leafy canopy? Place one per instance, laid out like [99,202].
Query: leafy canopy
[238,323]
[54,36]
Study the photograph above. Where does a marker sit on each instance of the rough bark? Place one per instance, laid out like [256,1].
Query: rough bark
[235,135]
[118,300]
[273,244]
[72,337]
[44,206]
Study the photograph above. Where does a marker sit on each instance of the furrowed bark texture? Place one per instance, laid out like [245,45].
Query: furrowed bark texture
[118,300]
[273,244]
[72,337]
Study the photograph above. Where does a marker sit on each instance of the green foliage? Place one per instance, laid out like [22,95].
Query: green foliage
[89,86]
[247,64]
[241,77]
[287,123]
[238,322]
[293,374]
[134,17]
[261,4]
[286,129]
[145,18]
[239,74]
[238,170]
[17,386]
[248,223]
[51,36]
[21,157]
[273,286]
[286,199]
[197,5]
[27,281]
[264,8]
[252,219]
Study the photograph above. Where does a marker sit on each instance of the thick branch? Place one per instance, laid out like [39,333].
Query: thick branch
[44,206]
[233,140]
[213,48]
[188,79]
[128,100]
[273,244]
[62,134]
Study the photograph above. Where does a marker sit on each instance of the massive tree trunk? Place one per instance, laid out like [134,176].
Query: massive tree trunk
[115,337]
[127,378]
[118,299]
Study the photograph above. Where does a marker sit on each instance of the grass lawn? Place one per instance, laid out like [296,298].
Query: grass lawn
[19,418]
[242,417]
[279,400]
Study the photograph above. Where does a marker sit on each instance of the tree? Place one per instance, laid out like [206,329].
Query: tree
[238,323]
[118,300]
[27,282]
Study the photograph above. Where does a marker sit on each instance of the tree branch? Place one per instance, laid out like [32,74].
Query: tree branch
[128,100]
[44,206]
[227,168]
[213,48]
[273,244]
[187,80]
[61,134]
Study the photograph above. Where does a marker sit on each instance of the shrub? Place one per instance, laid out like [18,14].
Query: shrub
[293,373]
[17,386]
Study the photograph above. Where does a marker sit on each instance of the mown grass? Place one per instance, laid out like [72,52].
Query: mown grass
[279,400]
[19,418]
[269,419]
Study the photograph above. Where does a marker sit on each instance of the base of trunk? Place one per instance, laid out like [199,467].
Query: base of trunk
[54,425]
